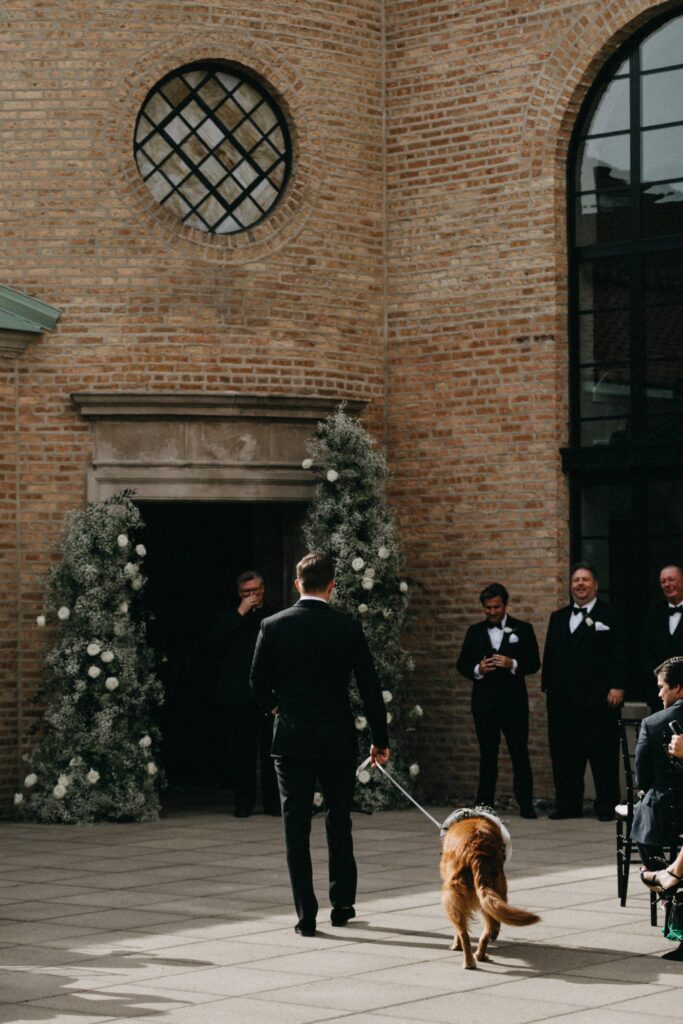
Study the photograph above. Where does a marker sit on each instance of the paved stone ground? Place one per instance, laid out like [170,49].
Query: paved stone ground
[190,921]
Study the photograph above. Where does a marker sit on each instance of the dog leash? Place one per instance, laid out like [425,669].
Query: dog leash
[365,764]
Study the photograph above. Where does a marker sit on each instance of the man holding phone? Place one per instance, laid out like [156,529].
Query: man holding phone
[496,656]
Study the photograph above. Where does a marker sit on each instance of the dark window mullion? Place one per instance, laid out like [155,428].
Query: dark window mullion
[636,259]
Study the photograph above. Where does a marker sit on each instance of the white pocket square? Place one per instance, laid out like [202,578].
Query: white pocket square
[514,639]
[600,627]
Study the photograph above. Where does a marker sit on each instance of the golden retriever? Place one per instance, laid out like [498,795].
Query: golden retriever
[474,878]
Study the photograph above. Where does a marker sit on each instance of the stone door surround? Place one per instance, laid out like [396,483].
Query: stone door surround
[199,446]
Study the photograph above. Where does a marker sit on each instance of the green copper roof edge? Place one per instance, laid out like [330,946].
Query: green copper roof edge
[30,314]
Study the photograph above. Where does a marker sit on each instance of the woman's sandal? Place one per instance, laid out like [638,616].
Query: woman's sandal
[656,886]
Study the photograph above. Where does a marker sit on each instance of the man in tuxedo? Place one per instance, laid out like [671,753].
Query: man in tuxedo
[584,673]
[301,673]
[654,767]
[662,634]
[245,731]
[496,656]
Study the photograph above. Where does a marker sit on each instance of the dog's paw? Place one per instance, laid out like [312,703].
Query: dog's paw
[470,967]
[456,944]
[483,958]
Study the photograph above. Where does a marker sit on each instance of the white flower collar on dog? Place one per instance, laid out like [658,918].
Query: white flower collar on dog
[479,812]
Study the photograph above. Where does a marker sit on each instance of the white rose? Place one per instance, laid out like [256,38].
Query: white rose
[307,463]
[140,550]
[367,583]
[93,649]
[136,584]
[390,717]
[122,540]
[364,777]
[387,696]
[119,629]
[80,686]
[383,552]
[589,621]
[361,723]
[74,762]
[357,564]
[123,607]
[317,799]
[370,573]
[64,780]
[362,608]
[151,768]
[111,682]
[94,671]
[130,569]
[18,799]
[93,776]
[417,711]
[146,741]
[386,613]
[414,770]
[63,613]
[59,792]
[332,475]
[107,656]
[30,780]
[403,587]
[42,621]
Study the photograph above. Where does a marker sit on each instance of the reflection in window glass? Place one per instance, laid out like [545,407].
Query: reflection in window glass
[662,153]
[604,432]
[604,336]
[603,217]
[664,47]
[604,283]
[662,97]
[605,391]
[662,209]
[604,162]
[611,113]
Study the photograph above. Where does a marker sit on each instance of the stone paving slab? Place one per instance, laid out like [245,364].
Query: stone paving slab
[189,921]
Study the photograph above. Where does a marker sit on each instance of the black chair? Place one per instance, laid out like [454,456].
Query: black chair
[628,735]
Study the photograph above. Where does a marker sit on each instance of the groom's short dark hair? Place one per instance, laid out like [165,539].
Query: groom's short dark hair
[494,590]
[671,671]
[315,572]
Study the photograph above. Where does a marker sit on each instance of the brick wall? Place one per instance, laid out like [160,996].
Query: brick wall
[295,308]
[481,99]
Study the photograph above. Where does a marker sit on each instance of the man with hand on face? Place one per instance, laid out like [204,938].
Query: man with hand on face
[584,673]
[662,634]
[246,732]
[496,656]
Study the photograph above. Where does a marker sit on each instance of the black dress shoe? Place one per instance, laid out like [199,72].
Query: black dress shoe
[527,812]
[341,915]
[306,928]
[559,816]
[242,812]
[606,817]
[674,954]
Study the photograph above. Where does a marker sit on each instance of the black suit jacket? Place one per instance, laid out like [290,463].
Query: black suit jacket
[657,645]
[654,772]
[582,667]
[302,665]
[524,649]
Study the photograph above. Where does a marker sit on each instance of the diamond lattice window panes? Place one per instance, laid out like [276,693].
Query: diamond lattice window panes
[213,147]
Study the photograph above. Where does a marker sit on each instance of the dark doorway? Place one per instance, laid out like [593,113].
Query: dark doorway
[195,551]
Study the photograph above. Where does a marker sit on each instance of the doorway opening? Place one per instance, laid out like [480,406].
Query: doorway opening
[195,551]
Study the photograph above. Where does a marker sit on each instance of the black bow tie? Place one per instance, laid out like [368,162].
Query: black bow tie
[676,610]
[579,611]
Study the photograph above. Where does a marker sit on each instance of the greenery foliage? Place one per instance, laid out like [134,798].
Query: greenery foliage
[350,520]
[93,760]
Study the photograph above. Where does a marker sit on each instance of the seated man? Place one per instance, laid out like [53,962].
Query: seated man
[652,816]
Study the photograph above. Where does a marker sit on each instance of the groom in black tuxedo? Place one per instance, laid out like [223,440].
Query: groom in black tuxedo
[662,634]
[301,672]
[584,675]
[496,656]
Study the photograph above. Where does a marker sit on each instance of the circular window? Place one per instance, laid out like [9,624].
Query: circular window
[213,148]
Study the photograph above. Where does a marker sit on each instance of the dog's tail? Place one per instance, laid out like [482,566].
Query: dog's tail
[495,906]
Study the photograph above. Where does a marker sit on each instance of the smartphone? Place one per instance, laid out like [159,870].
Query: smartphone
[675,728]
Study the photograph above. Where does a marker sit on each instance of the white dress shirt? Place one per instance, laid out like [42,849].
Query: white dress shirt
[496,634]
[576,618]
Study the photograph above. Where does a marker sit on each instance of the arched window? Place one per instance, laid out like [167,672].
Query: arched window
[625,181]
